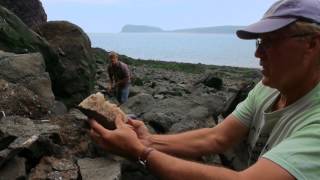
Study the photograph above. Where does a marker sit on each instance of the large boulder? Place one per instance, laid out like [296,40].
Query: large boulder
[178,114]
[25,85]
[73,46]
[16,37]
[30,12]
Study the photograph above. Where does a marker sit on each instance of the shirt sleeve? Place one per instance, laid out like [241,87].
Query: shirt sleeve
[125,70]
[245,110]
[299,154]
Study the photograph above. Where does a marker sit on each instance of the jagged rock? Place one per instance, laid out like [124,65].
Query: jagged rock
[99,168]
[73,46]
[198,117]
[159,121]
[100,55]
[135,90]
[54,169]
[30,12]
[16,37]
[139,104]
[18,100]
[19,133]
[211,80]
[28,70]
[95,106]
[238,95]
[14,169]
[59,108]
[134,171]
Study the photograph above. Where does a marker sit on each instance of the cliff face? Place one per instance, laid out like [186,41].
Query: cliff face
[30,12]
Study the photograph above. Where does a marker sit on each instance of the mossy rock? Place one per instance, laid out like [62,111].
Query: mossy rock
[16,37]
[73,47]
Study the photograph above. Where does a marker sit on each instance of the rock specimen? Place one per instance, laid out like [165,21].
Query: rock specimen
[95,106]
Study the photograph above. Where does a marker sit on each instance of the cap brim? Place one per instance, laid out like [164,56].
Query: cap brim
[263,26]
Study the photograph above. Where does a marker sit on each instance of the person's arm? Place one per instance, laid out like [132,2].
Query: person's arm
[124,141]
[193,144]
[186,170]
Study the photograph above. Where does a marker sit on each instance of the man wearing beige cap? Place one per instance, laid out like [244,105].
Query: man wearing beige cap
[280,118]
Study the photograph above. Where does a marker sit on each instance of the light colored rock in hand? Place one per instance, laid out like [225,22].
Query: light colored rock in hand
[97,107]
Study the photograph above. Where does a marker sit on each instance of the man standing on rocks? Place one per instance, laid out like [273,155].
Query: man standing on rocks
[119,75]
[280,118]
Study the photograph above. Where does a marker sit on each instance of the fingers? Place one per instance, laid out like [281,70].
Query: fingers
[135,123]
[98,128]
[119,122]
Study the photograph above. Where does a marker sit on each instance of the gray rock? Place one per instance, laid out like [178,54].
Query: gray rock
[54,169]
[29,71]
[138,104]
[18,38]
[59,108]
[30,12]
[73,46]
[19,133]
[99,168]
[14,169]
[159,121]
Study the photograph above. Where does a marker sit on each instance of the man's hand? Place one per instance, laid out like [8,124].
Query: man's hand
[141,130]
[122,141]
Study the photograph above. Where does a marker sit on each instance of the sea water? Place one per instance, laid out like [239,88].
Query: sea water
[215,49]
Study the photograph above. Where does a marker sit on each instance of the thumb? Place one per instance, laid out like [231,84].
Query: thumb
[119,122]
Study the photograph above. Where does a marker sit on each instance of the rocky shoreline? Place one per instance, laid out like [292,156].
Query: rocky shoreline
[47,68]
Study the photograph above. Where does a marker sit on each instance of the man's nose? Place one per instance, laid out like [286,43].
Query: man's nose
[260,52]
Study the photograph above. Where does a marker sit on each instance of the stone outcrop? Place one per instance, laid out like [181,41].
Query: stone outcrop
[30,12]
[16,37]
[54,168]
[73,46]
[25,85]
[99,168]
[17,134]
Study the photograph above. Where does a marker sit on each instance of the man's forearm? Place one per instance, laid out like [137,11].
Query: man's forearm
[122,82]
[171,168]
[192,144]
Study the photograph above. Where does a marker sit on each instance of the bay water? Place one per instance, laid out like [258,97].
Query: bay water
[214,49]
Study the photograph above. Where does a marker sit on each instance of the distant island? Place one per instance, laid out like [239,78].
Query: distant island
[140,29]
[152,29]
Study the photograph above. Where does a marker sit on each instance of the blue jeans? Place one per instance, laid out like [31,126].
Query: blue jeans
[122,94]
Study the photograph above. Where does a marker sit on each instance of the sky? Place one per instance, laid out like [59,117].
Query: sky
[109,16]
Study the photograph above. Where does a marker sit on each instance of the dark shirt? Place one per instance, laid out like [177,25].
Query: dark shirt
[119,73]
